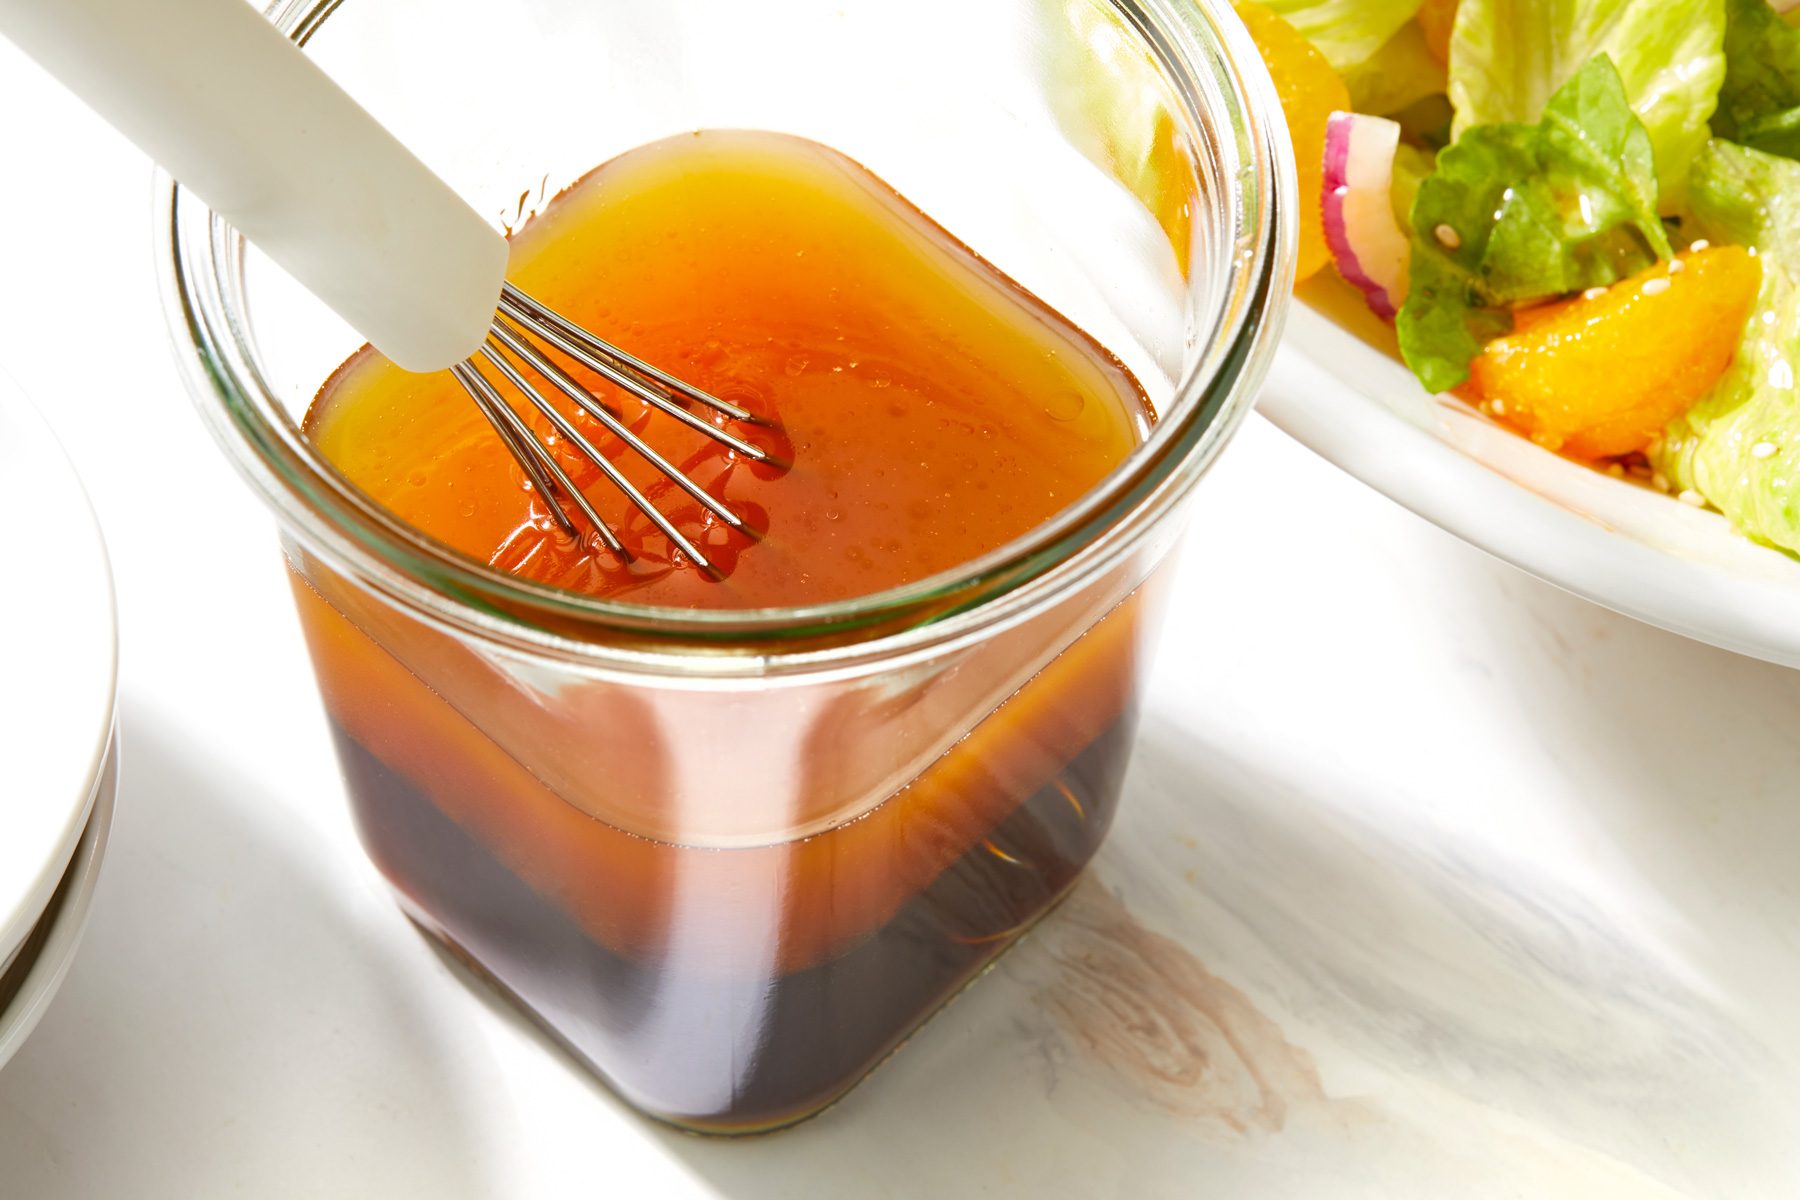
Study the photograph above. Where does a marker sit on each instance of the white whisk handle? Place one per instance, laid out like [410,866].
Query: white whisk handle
[238,114]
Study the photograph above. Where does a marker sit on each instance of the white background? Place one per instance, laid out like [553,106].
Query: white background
[1494,892]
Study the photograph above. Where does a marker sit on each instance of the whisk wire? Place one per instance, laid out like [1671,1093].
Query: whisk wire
[521,451]
[493,354]
[515,342]
[513,350]
[538,314]
[554,333]
[536,459]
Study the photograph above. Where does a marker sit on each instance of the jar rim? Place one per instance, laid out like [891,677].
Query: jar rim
[1194,43]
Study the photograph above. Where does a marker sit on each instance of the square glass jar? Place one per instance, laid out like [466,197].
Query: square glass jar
[733,858]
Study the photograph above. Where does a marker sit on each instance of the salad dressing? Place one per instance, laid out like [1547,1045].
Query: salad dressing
[735,903]
[930,408]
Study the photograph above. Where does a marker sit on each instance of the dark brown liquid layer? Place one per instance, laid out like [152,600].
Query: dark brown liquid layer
[736,1050]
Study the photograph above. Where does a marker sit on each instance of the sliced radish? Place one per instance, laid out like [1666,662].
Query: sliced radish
[1367,244]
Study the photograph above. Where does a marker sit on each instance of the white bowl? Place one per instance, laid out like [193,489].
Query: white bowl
[1620,544]
[29,984]
[57,668]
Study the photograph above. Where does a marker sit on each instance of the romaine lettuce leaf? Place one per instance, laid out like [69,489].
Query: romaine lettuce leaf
[1759,103]
[1740,446]
[1347,32]
[1400,74]
[1508,57]
[1114,105]
[1516,213]
[1412,167]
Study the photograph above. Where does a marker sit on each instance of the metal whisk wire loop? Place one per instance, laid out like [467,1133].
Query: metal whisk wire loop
[515,350]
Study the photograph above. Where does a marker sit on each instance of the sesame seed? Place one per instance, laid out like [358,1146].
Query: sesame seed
[1676,266]
[1763,450]
[1616,470]
[1657,286]
[1700,245]
[1499,407]
[1593,293]
[1690,497]
[1448,237]
[1659,481]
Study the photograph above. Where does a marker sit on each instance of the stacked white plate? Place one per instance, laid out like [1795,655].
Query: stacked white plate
[58,656]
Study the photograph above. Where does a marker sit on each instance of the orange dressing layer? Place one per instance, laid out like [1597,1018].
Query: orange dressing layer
[931,410]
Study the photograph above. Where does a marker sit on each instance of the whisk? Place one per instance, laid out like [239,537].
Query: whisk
[239,115]
[508,345]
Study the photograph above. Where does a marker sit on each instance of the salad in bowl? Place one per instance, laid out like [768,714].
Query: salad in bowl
[1583,218]
[1561,240]
[1549,280]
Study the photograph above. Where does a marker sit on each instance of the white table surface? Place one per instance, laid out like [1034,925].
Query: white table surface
[1431,881]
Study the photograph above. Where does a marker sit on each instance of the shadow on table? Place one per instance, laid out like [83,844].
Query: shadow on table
[1098,1055]
[197,1047]
[1535,997]
[1146,1038]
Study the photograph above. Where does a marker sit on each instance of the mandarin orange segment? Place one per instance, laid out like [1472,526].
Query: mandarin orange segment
[1602,374]
[1310,91]
[1437,18]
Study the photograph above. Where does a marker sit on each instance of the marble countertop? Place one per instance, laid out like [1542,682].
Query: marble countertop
[1430,880]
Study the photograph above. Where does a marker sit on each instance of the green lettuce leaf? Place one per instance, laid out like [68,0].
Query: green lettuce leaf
[1412,167]
[1759,103]
[1113,104]
[1347,32]
[1508,57]
[1517,213]
[1740,446]
[1401,73]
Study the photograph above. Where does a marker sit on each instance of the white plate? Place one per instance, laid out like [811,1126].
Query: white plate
[57,665]
[1617,543]
[43,960]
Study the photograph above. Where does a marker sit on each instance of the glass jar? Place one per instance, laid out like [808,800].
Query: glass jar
[733,859]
